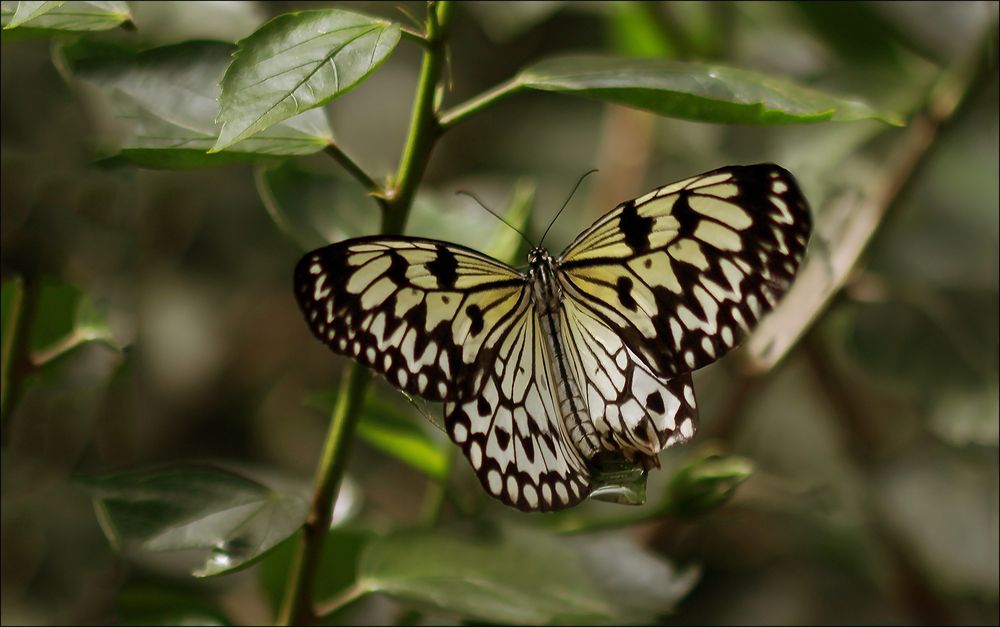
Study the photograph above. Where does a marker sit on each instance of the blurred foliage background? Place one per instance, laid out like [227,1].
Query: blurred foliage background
[162,309]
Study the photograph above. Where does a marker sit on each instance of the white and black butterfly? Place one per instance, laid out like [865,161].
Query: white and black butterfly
[542,370]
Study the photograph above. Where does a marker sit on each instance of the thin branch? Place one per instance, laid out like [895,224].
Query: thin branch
[17,363]
[373,188]
[459,113]
[412,35]
[339,602]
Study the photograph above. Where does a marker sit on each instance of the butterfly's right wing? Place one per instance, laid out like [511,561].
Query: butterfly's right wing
[425,314]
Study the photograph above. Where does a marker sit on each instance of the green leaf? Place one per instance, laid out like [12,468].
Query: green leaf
[396,432]
[167,97]
[66,318]
[312,207]
[502,574]
[11,305]
[53,18]
[693,91]
[296,62]
[196,507]
[26,11]
[706,483]
[387,428]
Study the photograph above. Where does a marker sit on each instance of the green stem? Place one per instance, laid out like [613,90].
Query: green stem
[297,607]
[459,113]
[424,127]
[17,363]
[373,188]
[413,36]
[342,600]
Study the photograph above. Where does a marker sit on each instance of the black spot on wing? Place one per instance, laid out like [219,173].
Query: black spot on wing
[397,268]
[655,402]
[483,407]
[444,267]
[476,318]
[624,289]
[635,228]
[503,438]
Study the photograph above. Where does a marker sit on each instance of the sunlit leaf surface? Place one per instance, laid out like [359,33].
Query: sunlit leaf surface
[296,62]
[693,91]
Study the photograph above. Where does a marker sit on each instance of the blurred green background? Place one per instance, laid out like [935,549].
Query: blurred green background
[874,492]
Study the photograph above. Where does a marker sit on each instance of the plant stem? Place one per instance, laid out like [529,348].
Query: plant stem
[476,104]
[16,352]
[374,189]
[298,605]
[424,128]
[340,601]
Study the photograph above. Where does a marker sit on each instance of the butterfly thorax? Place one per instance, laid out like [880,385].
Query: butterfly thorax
[547,296]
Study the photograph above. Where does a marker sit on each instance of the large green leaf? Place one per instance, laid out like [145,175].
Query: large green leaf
[505,575]
[196,507]
[53,18]
[168,98]
[296,62]
[693,91]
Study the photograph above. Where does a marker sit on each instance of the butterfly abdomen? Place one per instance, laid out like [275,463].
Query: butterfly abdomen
[547,297]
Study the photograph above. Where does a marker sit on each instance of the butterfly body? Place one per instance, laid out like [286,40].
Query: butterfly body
[543,370]
[547,298]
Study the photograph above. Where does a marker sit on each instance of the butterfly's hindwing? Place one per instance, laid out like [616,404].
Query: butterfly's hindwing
[416,311]
[512,433]
[682,273]
[631,406]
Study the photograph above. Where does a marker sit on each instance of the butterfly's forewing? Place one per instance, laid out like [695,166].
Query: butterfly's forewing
[682,273]
[447,323]
[422,313]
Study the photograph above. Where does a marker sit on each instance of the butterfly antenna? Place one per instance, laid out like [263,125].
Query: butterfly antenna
[575,187]
[496,215]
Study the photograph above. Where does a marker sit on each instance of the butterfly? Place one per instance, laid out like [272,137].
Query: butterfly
[544,370]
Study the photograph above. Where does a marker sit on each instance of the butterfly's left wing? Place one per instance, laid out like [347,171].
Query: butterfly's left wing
[451,324]
[683,273]
[425,314]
